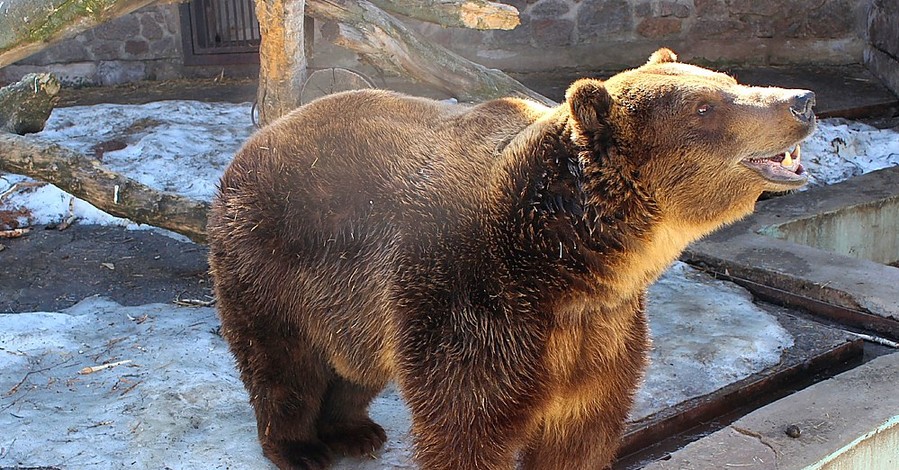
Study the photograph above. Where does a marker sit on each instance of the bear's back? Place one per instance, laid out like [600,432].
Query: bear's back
[370,159]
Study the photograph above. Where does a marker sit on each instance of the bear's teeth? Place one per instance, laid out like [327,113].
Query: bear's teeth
[787,161]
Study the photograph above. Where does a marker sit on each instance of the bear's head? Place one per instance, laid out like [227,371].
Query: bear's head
[703,146]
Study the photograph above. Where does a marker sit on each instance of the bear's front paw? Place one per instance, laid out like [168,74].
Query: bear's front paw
[354,439]
[298,455]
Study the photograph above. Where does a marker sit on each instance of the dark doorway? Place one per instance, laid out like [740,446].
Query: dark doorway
[220,32]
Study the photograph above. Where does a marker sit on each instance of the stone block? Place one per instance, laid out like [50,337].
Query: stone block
[115,72]
[106,49]
[549,9]
[136,48]
[604,19]
[166,47]
[73,74]
[883,26]
[120,29]
[833,19]
[643,9]
[659,27]
[705,8]
[884,67]
[552,32]
[721,29]
[671,8]
[151,26]
[520,36]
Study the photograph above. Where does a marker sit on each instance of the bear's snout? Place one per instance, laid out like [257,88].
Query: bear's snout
[802,106]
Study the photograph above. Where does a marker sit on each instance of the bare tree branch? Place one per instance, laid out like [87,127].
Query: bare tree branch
[112,192]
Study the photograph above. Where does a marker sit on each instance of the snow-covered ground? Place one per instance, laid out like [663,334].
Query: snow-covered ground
[178,402]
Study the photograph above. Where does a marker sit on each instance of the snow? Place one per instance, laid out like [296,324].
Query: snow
[180,404]
[841,149]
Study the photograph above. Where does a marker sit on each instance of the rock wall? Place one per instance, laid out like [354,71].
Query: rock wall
[610,34]
[143,45]
[577,35]
[882,51]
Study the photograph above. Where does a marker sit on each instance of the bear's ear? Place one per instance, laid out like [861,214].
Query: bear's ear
[662,56]
[589,102]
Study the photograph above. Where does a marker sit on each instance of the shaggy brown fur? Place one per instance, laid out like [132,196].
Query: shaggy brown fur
[491,259]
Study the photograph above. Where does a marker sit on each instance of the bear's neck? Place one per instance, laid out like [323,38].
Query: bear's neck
[582,217]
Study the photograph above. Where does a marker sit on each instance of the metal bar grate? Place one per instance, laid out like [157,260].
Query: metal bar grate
[223,26]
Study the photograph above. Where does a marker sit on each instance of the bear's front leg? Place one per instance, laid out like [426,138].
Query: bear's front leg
[474,389]
[584,418]
[585,439]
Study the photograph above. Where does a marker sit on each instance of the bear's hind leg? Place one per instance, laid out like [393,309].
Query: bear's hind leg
[286,381]
[344,425]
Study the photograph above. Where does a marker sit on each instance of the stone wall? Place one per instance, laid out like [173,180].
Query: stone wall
[144,44]
[882,51]
[610,34]
[577,35]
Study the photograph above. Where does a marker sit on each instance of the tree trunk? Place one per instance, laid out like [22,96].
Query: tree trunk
[28,26]
[388,44]
[282,59]
[116,194]
[474,14]
[26,105]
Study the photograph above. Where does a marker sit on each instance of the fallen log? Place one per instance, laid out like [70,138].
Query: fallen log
[26,104]
[112,192]
[474,14]
[389,45]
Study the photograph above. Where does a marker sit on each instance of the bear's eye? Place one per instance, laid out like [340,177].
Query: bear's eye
[704,109]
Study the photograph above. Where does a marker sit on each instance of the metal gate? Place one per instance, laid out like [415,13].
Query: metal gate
[220,32]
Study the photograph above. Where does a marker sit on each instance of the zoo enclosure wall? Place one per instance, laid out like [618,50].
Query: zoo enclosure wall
[554,35]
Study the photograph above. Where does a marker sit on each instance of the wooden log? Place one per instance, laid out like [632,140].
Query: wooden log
[26,105]
[388,44]
[282,60]
[474,14]
[112,192]
[28,26]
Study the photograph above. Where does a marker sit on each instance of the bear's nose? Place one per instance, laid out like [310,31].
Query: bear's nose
[802,106]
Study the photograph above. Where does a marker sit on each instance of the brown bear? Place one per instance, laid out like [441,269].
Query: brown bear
[490,259]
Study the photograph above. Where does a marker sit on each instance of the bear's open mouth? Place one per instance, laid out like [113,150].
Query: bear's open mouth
[783,168]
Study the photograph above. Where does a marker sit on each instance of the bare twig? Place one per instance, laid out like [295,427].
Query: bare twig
[877,339]
[14,233]
[193,302]
[70,218]
[92,369]
[19,186]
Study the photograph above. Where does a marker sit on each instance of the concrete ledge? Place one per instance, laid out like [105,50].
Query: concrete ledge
[848,422]
[850,290]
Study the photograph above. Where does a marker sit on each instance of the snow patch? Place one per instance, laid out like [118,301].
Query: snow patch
[180,403]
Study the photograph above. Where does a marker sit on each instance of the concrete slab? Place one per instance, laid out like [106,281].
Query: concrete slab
[850,421]
[843,288]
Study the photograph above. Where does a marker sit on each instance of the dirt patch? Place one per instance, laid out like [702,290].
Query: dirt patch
[49,270]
